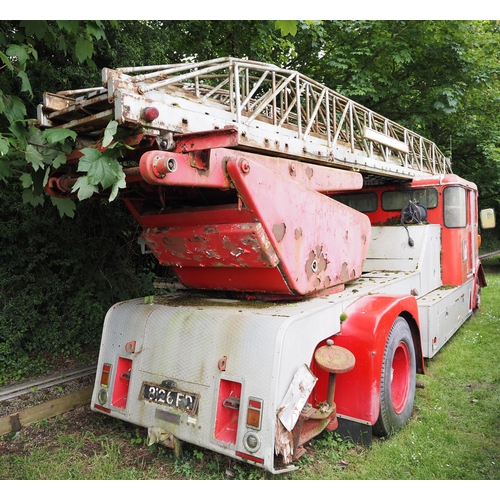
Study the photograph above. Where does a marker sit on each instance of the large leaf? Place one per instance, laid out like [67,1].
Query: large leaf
[26,180]
[34,157]
[31,198]
[37,28]
[15,110]
[5,170]
[65,206]
[286,27]
[120,184]
[90,155]
[83,49]
[19,52]
[101,168]
[4,146]
[55,135]
[85,190]
[26,85]
[109,133]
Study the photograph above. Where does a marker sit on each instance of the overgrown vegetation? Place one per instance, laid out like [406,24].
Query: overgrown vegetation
[58,278]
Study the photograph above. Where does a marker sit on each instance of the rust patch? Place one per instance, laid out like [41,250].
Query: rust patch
[279,231]
[327,281]
[298,233]
[233,248]
[309,172]
[322,260]
[344,273]
[211,254]
[175,245]
[199,239]
[316,262]
[210,230]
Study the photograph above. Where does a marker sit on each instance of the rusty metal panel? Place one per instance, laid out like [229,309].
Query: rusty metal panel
[220,245]
[196,169]
[320,242]
[296,396]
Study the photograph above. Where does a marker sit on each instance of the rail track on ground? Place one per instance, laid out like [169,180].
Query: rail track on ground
[489,254]
[20,404]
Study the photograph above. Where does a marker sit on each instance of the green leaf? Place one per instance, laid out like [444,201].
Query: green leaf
[101,168]
[55,135]
[90,155]
[15,110]
[95,30]
[121,183]
[6,61]
[105,172]
[26,85]
[19,52]
[4,146]
[26,180]
[65,206]
[31,198]
[83,49]
[85,190]
[69,26]
[19,135]
[286,27]
[59,160]
[37,28]
[109,133]
[5,170]
[34,157]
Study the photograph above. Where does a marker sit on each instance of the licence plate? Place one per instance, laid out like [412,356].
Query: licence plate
[186,401]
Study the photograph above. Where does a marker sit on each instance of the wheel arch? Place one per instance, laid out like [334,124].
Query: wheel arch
[364,332]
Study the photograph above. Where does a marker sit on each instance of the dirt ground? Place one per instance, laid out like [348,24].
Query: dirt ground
[74,422]
[91,430]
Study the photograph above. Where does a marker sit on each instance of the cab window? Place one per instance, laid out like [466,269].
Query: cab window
[455,208]
[397,200]
[363,202]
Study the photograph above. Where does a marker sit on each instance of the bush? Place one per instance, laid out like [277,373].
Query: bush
[59,276]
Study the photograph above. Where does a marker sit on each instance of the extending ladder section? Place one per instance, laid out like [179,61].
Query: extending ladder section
[275,111]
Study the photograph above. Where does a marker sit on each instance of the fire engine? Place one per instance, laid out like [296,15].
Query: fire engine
[321,252]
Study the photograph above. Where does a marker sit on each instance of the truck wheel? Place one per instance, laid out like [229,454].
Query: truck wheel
[398,379]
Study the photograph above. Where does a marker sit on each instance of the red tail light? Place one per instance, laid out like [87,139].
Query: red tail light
[228,411]
[122,382]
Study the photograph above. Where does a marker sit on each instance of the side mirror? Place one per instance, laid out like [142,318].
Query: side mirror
[487,218]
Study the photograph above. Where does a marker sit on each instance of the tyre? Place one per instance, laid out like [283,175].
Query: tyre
[398,379]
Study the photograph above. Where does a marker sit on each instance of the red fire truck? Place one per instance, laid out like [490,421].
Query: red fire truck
[321,252]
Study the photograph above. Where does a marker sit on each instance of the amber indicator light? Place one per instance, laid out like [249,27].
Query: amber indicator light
[254,413]
[106,371]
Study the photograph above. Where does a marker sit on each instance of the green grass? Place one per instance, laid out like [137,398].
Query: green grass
[454,432]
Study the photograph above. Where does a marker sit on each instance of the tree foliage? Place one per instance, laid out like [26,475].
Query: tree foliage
[438,78]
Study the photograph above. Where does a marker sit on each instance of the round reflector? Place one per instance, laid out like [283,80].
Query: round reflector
[151,114]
